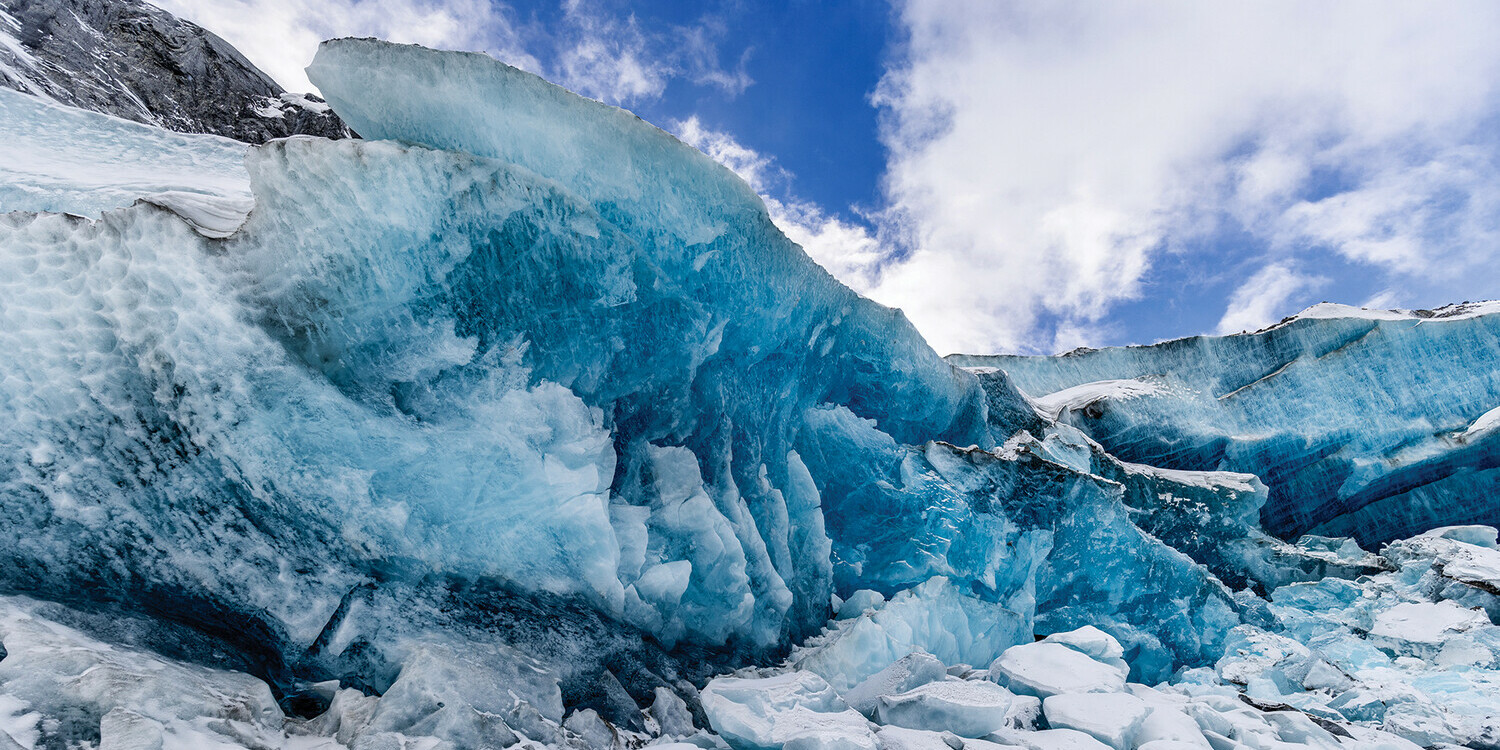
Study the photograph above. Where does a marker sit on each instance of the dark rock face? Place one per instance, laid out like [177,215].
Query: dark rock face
[132,60]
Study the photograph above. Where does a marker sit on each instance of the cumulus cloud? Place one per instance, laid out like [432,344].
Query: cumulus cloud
[1044,156]
[1264,297]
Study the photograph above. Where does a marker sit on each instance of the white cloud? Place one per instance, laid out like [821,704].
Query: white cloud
[590,50]
[281,36]
[1435,218]
[849,251]
[1265,298]
[1043,155]
[609,59]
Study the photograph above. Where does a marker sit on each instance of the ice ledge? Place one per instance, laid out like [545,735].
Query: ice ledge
[1334,310]
[605,154]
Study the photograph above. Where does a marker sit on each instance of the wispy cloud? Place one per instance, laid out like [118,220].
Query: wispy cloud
[281,36]
[591,50]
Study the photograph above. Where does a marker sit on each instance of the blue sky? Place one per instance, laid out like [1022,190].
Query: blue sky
[1030,177]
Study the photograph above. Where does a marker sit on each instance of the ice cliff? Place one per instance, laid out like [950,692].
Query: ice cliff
[1371,424]
[519,421]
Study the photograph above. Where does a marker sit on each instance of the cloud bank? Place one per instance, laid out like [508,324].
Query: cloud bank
[1044,157]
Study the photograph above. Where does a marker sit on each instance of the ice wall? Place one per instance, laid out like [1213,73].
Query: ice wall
[523,372]
[1361,423]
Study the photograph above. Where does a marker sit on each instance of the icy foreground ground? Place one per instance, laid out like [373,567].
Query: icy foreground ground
[520,421]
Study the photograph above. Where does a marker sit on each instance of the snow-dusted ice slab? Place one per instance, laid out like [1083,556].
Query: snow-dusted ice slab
[67,160]
[1048,669]
[968,708]
[1111,718]
[796,708]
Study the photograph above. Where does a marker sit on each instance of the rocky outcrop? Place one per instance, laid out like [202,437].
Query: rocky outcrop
[133,60]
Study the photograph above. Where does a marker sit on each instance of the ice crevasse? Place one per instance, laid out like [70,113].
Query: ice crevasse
[523,386]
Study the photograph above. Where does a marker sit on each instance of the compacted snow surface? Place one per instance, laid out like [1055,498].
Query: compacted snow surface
[520,423]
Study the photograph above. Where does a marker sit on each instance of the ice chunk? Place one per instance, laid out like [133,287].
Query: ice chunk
[1479,536]
[1025,712]
[597,733]
[671,714]
[53,666]
[934,617]
[968,708]
[796,709]
[1375,739]
[1056,739]
[1089,640]
[910,671]
[1048,669]
[1425,624]
[1112,718]
[859,601]
[461,696]
[901,738]
[1168,724]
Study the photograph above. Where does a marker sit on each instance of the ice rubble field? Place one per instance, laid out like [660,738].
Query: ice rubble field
[519,422]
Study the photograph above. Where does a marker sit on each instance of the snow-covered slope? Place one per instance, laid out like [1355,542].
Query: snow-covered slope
[1361,423]
[130,59]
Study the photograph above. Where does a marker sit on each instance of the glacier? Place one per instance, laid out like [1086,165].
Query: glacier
[1368,424]
[519,421]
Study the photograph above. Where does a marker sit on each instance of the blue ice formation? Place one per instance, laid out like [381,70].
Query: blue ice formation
[1374,425]
[519,344]
[523,415]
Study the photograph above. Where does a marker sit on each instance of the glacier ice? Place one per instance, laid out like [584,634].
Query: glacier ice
[520,422]
[967,708]
[1048,669]
[416,374]
[1112,718]
[64,160]
[1362,423]
[796,709]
